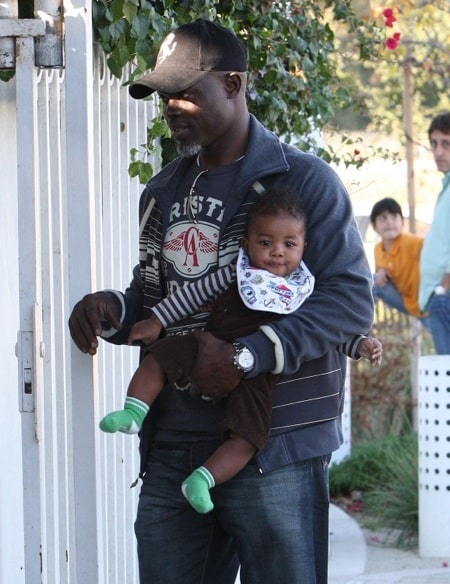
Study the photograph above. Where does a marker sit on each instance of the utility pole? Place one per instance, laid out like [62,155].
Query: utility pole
[408,91]
[415,336]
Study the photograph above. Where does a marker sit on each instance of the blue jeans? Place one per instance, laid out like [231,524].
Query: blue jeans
[392,297]
[439,320]
[275,525]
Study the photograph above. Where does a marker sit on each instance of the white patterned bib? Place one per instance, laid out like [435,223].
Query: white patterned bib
[261,290]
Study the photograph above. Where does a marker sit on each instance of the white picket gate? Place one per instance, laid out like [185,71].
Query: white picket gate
[69,226]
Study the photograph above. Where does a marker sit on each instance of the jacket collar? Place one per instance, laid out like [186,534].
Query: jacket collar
[264,157]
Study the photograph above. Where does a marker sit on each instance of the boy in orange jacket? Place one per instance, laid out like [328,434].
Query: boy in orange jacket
[397,257]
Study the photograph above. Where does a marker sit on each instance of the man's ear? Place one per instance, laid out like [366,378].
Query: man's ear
[233,84]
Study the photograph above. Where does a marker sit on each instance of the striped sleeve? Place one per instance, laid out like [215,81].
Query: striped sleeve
[350,348]
[188,299]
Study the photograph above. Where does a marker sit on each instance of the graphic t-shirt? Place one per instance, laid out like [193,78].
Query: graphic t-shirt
[190,251]
[191,244]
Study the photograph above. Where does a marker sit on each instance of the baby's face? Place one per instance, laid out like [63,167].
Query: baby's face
[275,243]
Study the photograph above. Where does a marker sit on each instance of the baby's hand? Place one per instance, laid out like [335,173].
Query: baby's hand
[370,348]
[147,330]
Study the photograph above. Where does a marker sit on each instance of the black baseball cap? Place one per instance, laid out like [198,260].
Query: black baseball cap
[387,204]
[187,54]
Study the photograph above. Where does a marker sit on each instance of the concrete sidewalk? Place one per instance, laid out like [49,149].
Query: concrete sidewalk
[359,557]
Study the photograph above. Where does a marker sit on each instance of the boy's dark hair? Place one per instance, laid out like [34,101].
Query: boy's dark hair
[441,122]
[387,204]
[274,201]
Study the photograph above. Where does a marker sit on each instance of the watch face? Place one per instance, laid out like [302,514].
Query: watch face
[245,359]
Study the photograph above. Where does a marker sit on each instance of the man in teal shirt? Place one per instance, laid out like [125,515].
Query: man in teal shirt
[434,294]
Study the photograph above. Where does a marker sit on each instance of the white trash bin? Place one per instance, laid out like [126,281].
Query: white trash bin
[434,456]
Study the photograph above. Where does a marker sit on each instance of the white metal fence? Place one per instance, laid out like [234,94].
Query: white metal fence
[73,227]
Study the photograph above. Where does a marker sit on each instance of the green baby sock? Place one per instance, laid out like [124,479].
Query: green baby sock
[196,489]
[129,420]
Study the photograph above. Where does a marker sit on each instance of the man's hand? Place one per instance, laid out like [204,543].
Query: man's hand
[85,322]
[214,372]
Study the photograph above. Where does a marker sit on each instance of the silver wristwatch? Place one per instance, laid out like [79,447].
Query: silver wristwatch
[243,358]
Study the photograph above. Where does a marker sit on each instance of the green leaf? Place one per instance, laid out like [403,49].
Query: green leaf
[116,9]
[140,26]
[133,168]
[145,172]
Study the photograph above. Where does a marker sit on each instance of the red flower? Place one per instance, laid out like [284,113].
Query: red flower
[393,41]
[356,152]
[388,14]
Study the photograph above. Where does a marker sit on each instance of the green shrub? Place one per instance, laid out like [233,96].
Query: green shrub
[386,473]
[364,468]
[395,502]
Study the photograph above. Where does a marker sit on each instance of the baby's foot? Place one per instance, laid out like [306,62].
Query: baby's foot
[120,421]
[196,489]
[129,420]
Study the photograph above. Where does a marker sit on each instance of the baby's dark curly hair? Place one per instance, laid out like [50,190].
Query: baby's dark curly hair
[274,201]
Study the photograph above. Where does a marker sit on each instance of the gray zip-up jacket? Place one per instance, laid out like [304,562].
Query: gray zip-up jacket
[308,401]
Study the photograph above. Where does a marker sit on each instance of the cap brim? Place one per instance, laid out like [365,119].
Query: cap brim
[169,80]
